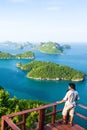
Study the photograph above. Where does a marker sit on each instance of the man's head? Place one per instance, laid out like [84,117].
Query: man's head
[72,86]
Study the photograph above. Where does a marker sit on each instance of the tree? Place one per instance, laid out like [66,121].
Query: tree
[4,102]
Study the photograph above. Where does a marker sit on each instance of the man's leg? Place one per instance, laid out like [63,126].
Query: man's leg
[71,121]
[71,113]
[64,119]
[64,113]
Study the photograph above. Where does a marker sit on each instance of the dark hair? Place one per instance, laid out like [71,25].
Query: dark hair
[72,85]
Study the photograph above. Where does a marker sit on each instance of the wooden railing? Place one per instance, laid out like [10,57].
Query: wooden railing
[7,122]
[80,115]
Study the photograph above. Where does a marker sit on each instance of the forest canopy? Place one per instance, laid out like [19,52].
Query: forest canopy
[25,55]
[51,71]
[12,105]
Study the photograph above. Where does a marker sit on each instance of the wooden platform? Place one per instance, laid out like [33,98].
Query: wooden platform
[60,126]
[42,115]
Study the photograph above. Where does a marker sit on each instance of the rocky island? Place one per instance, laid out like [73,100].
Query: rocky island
[51,47]
[51,71]
[25,55]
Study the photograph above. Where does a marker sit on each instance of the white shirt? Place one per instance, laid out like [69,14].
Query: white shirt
[71,97]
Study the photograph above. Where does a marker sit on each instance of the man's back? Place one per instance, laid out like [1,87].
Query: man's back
[71,97]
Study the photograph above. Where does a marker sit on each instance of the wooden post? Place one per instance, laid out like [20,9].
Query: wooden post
[54,114]
[4,125]
[41,119]
[23,124]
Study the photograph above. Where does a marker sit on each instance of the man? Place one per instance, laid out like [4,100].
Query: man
[70,103]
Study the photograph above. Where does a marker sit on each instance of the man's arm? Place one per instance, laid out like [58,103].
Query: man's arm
[60,102]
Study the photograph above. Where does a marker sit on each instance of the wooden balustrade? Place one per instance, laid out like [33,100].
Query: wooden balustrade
[7,122]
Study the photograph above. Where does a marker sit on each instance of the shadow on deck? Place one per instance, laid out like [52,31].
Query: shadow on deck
[59,126]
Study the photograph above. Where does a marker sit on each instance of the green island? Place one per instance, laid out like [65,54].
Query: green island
[51,47]
[25,55]
[50,71]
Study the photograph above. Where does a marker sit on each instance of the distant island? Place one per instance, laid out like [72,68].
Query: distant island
[44,47]
[17,45]
[25,55]
[51,47]
[51,71]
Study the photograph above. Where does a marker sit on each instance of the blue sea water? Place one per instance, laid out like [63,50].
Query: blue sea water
[17,84]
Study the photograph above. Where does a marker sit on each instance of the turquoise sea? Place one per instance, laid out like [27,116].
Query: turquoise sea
[15,82]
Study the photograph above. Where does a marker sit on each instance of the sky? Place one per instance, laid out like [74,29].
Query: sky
[43,20]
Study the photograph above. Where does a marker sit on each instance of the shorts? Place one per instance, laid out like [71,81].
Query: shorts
[69,109]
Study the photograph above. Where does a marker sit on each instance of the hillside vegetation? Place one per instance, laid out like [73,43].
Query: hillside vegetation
[12,105]
[51,47]
[4,55]
[25,55]
[51,71]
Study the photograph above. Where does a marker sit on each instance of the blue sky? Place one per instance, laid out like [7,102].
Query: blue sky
[43,20]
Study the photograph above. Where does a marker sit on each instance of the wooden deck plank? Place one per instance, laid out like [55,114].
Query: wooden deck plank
[68,127]
[60,126]
[47,128]
[74,127]
[50,127]
[79,127]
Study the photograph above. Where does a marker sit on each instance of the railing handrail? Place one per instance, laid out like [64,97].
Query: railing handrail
[31,110]
[81,116]
[39,108]
[11,124]
[82,106]
[6,119]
